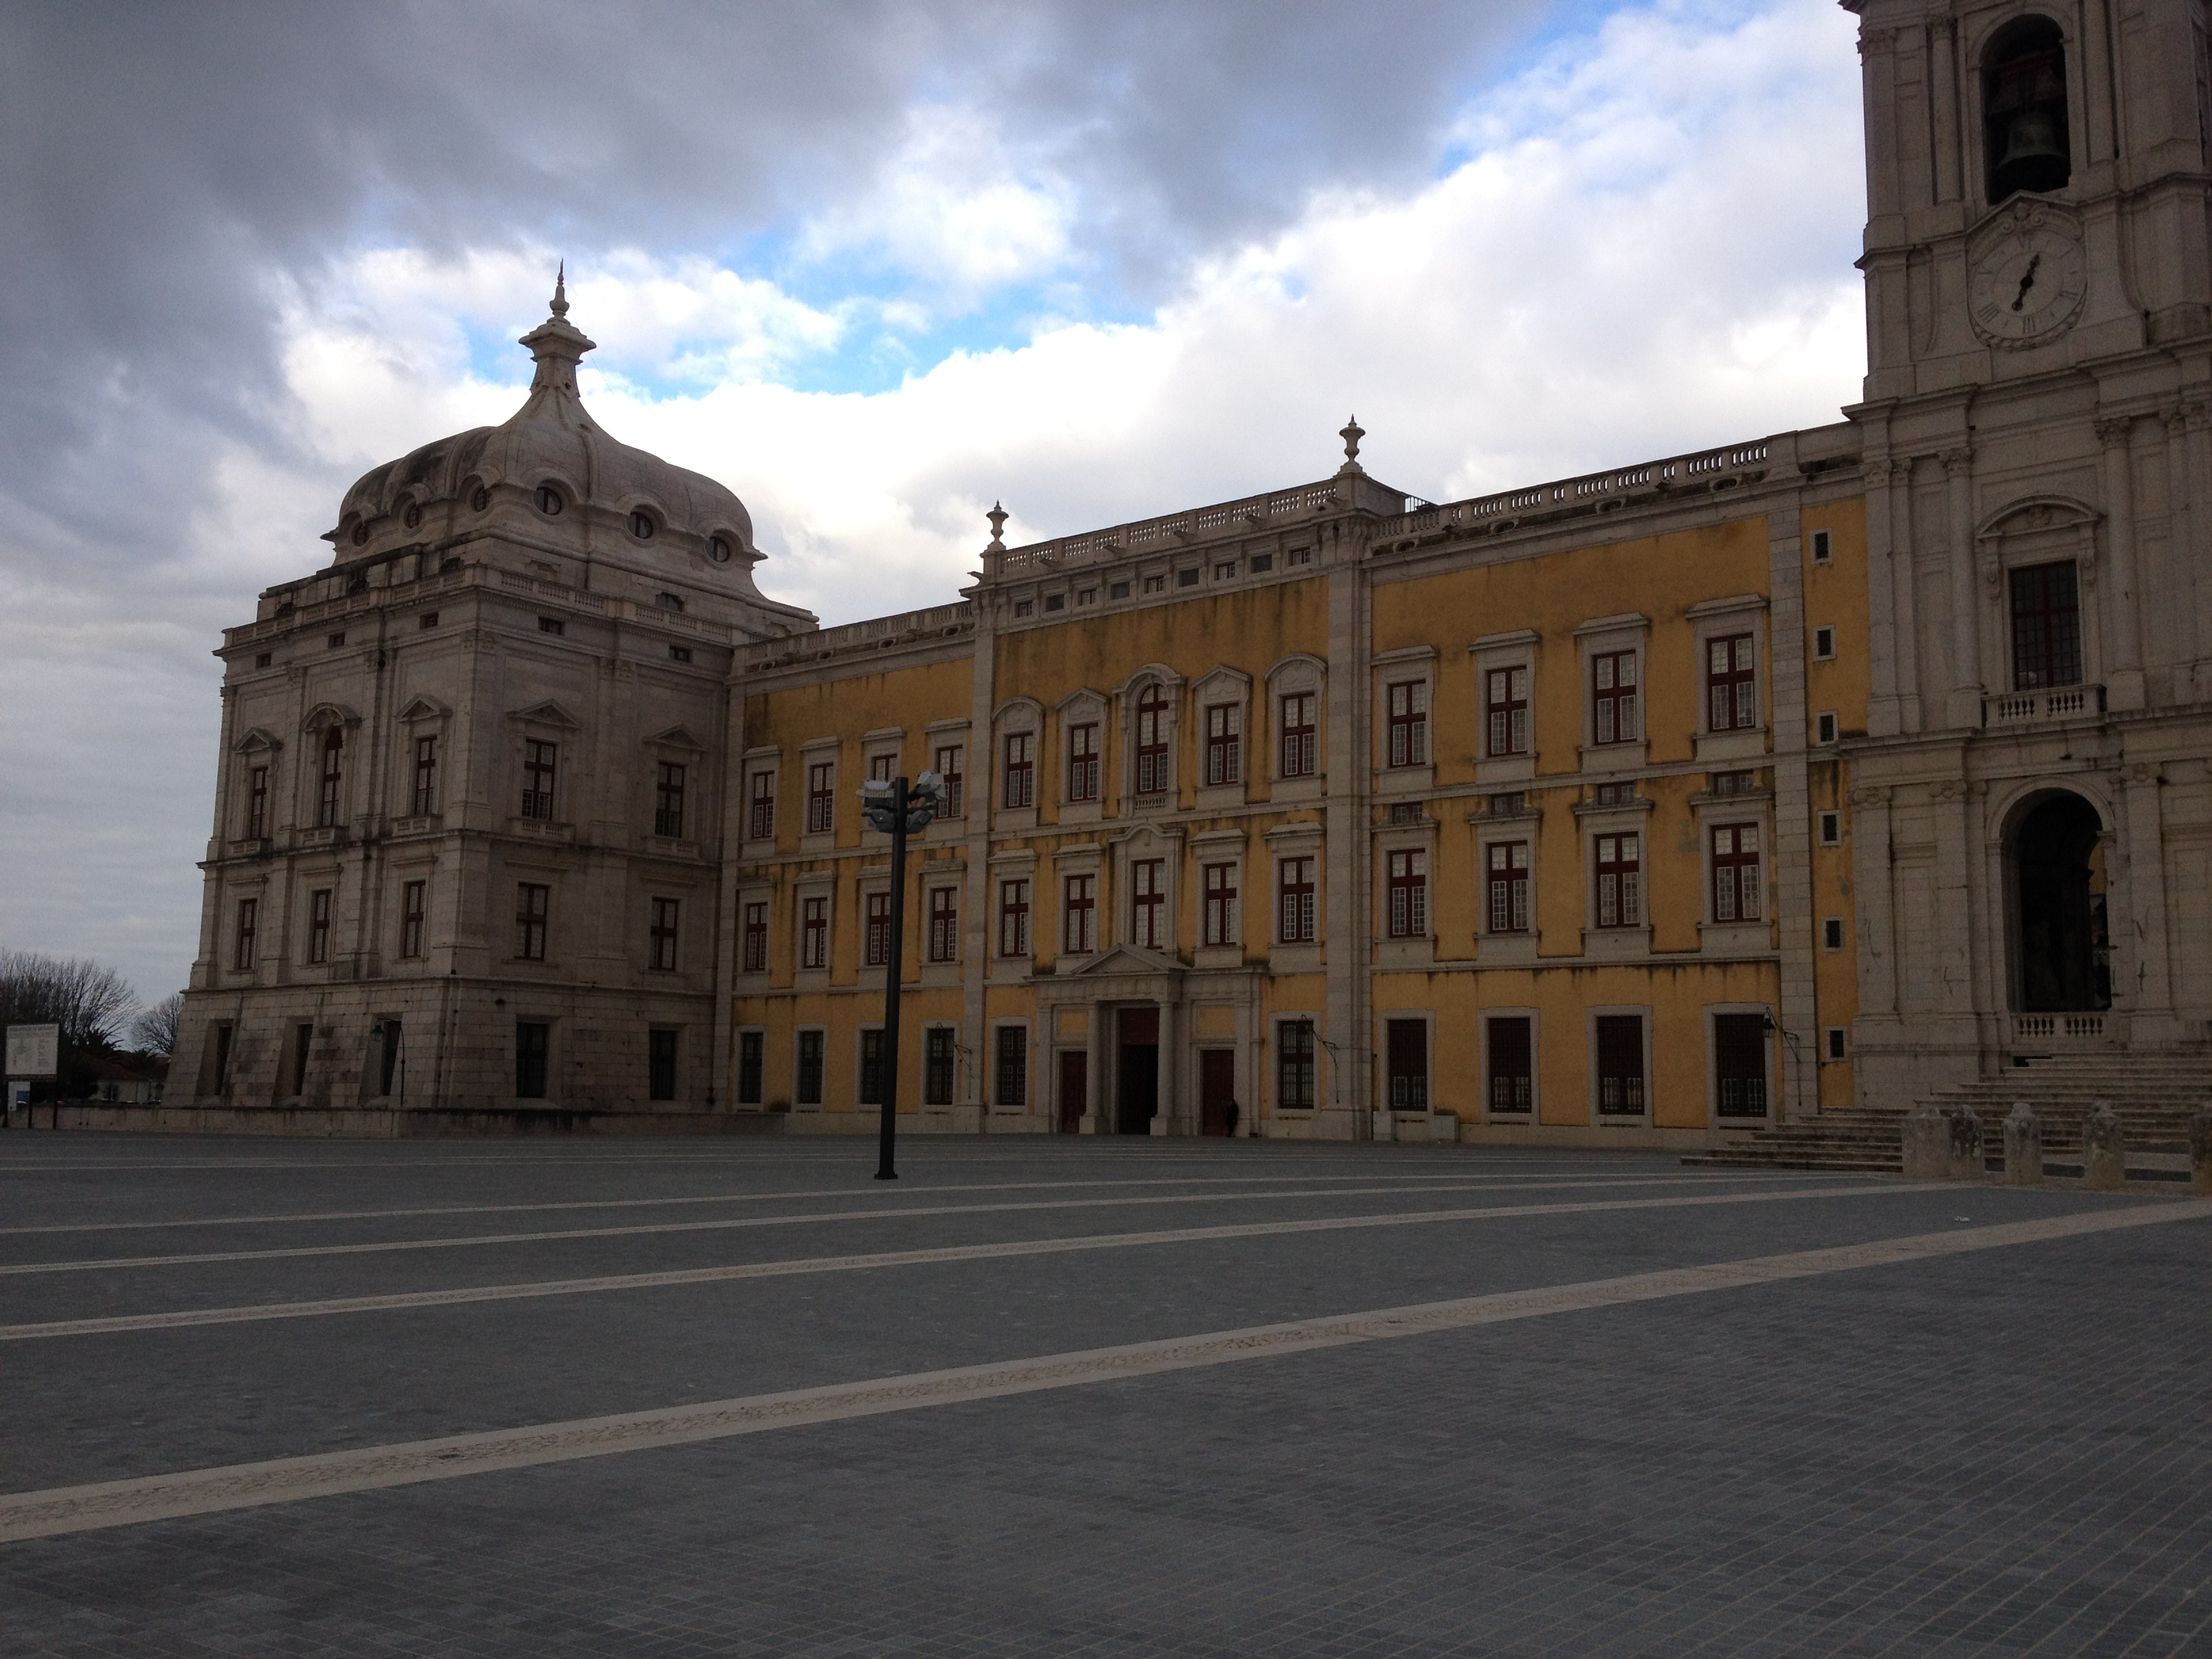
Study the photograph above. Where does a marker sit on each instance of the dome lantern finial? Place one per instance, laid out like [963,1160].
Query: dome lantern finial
[561,291]
[557,343]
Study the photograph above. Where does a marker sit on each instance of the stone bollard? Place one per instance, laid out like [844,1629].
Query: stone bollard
[2023,1146]
[2103,1149]
[1965,1159]
[1927,1143]
[2200,1150]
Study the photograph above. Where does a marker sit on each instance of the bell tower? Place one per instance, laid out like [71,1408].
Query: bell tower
[2039,478]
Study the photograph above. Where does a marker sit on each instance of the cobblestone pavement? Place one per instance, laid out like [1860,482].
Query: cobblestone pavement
[2000,1446]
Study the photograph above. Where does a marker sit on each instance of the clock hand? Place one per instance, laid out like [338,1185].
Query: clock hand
[2026,283]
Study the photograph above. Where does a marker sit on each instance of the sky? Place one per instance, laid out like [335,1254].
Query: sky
[873,265]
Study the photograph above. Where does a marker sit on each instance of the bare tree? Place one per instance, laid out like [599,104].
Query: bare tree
[88,1001]
[154,1030]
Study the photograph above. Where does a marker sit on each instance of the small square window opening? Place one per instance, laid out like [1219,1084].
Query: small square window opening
[1261,562]
[265,660]
[1823,726]
[551,625]
[1835,1042]
[1055,601]
[1823,644]
[679,653]
[429,619]
[1025,608]
[1831,933]
[1823,547]
[1832,829]
[1117,590]
[1156,584]
[1187,577]
[1225,571]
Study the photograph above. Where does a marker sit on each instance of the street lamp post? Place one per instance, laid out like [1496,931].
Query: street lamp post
[890,807]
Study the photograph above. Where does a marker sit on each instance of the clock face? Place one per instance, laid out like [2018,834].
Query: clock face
[2026,286]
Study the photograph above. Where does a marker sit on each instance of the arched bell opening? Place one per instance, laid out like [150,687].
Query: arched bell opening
[2062,949]
[2025,136]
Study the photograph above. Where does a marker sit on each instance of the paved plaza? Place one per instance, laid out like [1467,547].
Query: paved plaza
[1085,1396]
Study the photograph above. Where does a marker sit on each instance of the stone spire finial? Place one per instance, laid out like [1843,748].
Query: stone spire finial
[1351,432]
[561,291]
[557,343]
[998,516]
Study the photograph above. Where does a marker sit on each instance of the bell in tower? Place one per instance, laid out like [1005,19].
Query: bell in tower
[2024,110]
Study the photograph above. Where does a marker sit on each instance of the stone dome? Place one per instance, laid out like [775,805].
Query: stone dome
[551,442]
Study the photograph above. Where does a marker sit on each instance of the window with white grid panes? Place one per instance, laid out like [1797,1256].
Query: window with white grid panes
[1614,714]
[661,934]
[1148,902]
[756,937]
[948,766]
[1408,887]
[1151,741]
[814,932]
[1014,918]
[1506,699]
[540,759]
[1082,761]
[1408,701]
[1019,787]
[1507,882]
[1294,887]
[1619,861]
[944,924]
[876,931]
[668,800]
[1731,685]
[1221,914]
[1224,743]
[760,817]
[1735,872]
[1078,926]
[821,797]
[1299,755]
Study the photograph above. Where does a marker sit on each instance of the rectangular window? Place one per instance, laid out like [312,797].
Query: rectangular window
[1506,696]
[414,904]
[1507,878]
[1512,1064]
[1187,577]
[1263,563]
[752,1067]
[679,653]
[256,804]
[327,803]
[879,768]
[1079,927]
[1014,918]
[1740,1064]
[1294,880]
[1731,686]
[1224,743]
[660,942]
[870,1084]
[809,1091]
[1831,933]
[1083,762]
[949,757]
[1148,902]
[1294,1065]
[1020,789]
[821,797]
[303,1041]
[318,925]
[1406,1043]
[1735,872]
[1225,571]
[668,800]
[552,625]
[1151,742]
[1409,723]
[2046,626]
[1298,734]
[1117,590]
[249,915]
[531,901]
[426,776]
[1835,1042]
[876,931]
[1013,1066]
[1823,547]
[1620,881]
[755,944]
[1620,1065]
[538,760]
[814,932]
[388,1070]
[1823,726]
[533,1041]
[660,1064]
[1832,829]
[1408,882]
[761,816]
[1156,584]
[1823,644]
[1223,918]
[944,924]
[938,1046]
[1055,601]
[1613,717]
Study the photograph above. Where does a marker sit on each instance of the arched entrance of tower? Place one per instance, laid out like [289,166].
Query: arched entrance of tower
[2054,855]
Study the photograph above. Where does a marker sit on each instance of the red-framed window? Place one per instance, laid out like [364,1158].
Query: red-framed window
[1506,696]
[1620,869]
[333,778]
[1409,723]
[249,918]
[414,904]
[814,932]
[318,925]
[660,935]
[257,803]
[1294,890]
[1613,710]
[875,932]
[533,900]
[1731,685]
[1224,743]
[756,941]
[944,924]
[949,758]
[1223,913]
[1083,762]
[1148,902]
[1736,886]
[1299,754]
[540,762]
[668,800]
[1020,787]
[1079,927]
[821,797]
[1408,886]
[2046,626]
[761,814]
[1506,878]
[1151,741]
[1014,918]
[426,776]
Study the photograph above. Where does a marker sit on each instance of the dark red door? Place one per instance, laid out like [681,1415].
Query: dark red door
[1075,1090]
[1217,1090]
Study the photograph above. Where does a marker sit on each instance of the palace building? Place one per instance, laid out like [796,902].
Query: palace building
[1708,793]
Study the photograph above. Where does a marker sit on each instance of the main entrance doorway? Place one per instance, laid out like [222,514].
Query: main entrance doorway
[2058,863]
[1075,1090]
[1217,1090]
[1137,1072]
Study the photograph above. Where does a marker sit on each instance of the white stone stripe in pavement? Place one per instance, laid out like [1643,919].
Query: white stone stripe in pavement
[398,1300]
[281,1480]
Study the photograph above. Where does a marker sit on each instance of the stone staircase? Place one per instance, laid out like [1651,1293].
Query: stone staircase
[2153,1094]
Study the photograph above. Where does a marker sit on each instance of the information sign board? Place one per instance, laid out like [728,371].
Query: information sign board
[33,1050]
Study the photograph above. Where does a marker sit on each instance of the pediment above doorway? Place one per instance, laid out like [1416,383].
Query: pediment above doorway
[1128,960]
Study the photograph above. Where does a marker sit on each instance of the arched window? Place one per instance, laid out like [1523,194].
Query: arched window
[1151,740]
[2026,141]
[326,805]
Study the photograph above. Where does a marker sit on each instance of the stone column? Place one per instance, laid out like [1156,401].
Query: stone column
[2181,541]
[2137,895]
[1346,857]
[1793,813]
[1966,701]
[1164,1122]
[1098,1117]
[2124,677]
[729,826]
